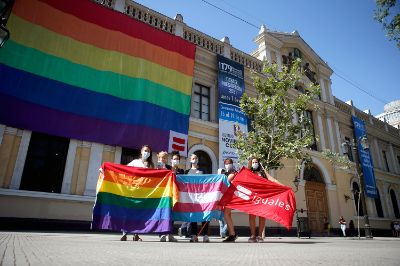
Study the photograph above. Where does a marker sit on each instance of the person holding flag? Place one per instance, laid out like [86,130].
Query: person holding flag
[230,172]
[255,166]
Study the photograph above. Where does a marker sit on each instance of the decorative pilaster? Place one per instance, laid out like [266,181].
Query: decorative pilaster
[330,134]
[96,155]
[321,131]
[323,89]
[21,157]
[69,167]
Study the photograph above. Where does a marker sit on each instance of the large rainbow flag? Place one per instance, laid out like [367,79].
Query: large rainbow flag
[135,200]
[199,197]
[80,70]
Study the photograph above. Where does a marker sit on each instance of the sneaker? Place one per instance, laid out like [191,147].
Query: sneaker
[123,238]
[252,239]
[194,239]
[260,239]
[180,232]
[171,238]
[230,238]
[136,237]
[163,238]
[206,239]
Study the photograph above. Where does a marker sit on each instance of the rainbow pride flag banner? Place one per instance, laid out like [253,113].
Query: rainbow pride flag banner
[80,70]
[134,200]
[199,196]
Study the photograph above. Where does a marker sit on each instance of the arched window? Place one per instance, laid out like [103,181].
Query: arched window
[205,163]
[394,204]
[378,205]
[311,173]
[356,193]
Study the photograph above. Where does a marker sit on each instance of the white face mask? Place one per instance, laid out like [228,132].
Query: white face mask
[194,161]
[175,162]
[254,166]
[145,155]
[228,167]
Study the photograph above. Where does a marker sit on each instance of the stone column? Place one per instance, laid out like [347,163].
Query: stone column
[21,157]
[279,58]
[323,91]
[330,134]
[387,200]
[329,93]
[96,155]
[321,131]
[378,154]
[338,136]
[395,165]
[69,167]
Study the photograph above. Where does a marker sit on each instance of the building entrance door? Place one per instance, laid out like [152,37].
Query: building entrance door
[317,208]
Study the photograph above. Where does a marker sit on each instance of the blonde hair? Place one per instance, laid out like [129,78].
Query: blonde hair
[162,154]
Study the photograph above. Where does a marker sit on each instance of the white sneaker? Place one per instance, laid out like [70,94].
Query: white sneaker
[171,238]
[163,238]
[194,239]
[206,239]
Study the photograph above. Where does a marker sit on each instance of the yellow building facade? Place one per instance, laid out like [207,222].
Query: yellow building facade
[324,191]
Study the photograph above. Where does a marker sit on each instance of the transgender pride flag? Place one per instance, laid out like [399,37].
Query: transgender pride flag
[199,196]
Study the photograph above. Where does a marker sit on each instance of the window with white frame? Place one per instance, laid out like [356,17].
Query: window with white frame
[201,102]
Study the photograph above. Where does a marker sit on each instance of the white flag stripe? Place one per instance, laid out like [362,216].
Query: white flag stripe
[199,198]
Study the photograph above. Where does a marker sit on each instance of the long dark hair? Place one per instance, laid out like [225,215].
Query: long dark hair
[149,160]
[259,168]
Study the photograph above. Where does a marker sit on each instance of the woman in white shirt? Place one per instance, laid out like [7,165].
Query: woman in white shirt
[144,161]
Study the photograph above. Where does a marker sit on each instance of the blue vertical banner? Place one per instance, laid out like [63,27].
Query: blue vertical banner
[231,118]
[365,159]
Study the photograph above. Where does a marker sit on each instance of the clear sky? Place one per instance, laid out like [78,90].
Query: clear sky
[343,33]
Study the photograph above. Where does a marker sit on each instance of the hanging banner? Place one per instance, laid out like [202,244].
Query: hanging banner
[104,78]
[231,118]
[365,158]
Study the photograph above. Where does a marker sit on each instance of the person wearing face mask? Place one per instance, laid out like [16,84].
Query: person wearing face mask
[255,166]
[194,170]
[174,167]
[144,161]
[162,160]
[230,172]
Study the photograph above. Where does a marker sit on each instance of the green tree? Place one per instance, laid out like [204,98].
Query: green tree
[274,136]
[390,21]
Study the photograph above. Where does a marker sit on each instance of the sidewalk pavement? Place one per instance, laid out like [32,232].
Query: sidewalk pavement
[68,248]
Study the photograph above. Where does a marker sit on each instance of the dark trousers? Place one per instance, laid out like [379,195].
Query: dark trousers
[195,229]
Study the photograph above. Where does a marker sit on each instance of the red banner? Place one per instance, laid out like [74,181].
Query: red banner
[255,195]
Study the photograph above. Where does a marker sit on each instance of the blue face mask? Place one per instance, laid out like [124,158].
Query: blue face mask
[145,155]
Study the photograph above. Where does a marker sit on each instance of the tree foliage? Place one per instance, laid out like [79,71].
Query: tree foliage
[273,135]
[388,13]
